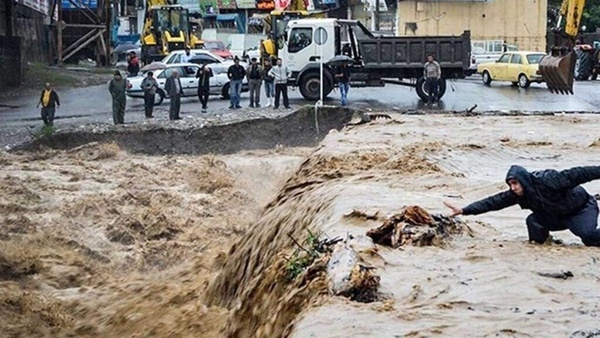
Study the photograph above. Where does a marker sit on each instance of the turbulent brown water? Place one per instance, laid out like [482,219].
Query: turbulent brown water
[98,242]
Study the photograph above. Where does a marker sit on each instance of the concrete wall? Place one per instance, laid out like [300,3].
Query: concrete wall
[518,22]
[11,65]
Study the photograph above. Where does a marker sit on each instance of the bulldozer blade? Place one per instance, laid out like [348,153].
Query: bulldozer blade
[558,72]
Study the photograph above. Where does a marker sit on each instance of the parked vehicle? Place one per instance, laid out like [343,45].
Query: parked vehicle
[376,60]
[484,51]
[217,47]
[219,83]
[520,68]
[252,52]
[220,65]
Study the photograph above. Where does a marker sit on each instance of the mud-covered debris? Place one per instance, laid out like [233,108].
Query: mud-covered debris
[415,226]
[362,214]
[557,275]
[594,333]
[350,277]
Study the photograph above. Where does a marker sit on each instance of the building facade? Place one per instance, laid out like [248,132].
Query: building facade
[517,22]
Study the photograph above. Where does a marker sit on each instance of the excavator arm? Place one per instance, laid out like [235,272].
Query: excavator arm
[558,67]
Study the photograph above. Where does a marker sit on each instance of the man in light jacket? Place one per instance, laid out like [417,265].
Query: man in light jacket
[175,91]
[432,74]
[281,74]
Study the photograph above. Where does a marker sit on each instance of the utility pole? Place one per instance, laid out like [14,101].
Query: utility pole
[59,39]
[377,15]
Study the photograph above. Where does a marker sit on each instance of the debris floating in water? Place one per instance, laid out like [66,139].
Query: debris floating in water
[415,226]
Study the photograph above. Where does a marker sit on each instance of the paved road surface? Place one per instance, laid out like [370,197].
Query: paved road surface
[93,104]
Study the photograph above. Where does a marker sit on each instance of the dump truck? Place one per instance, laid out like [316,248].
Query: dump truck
[376,60]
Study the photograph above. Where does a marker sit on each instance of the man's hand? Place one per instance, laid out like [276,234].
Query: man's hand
[455,210]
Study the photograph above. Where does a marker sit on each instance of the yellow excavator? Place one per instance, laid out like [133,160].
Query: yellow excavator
[278,19]
[166,28]
[558,67]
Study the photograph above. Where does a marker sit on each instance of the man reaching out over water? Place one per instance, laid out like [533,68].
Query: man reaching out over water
[556,198]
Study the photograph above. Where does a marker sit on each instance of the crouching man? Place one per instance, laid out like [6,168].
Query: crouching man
[556,198]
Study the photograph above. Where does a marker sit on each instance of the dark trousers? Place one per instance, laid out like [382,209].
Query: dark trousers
[583,225]
[432,89]
[118,106]
[48,115]
[174,107]
[281,89]
[149,103]
[203,96]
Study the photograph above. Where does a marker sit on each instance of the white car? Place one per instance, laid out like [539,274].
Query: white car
[219,83]
[218,64]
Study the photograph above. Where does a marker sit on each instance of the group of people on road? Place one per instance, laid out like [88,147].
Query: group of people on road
[274,77]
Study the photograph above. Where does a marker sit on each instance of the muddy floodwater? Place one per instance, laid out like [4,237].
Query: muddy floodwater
[101,240]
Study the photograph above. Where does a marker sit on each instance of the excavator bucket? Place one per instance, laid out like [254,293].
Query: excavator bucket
[558,70]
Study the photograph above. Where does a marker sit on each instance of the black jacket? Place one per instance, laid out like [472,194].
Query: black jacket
[551,192]
[204,78]
[54,100]
[236,72]
[342,74]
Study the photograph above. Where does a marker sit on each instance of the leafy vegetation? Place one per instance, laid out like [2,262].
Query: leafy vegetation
[306,253]
[590,19]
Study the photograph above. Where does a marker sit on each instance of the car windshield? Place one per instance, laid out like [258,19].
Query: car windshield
[214,45]
[534,58]
[215,56]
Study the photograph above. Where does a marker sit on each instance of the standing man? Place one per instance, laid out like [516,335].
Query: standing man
[281,74]
[117,87]
[133,64]
[255,76]
[556,198]
[49,101]
[185,58]
[204,74]
[269,83]
[149,85]
[175,91]
[342,75]
[236,74]
[432,74]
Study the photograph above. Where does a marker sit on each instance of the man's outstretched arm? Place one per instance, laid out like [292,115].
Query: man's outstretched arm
[570,178]
[499,201]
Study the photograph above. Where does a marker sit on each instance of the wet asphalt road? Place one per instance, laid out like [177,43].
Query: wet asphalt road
[93,104]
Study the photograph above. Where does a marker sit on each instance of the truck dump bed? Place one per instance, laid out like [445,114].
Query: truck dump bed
[410,53]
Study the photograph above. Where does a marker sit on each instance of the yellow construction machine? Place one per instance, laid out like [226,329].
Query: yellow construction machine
[558,67]
[167,28]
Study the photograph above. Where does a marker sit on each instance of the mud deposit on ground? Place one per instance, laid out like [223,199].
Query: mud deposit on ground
[100,242]
[184,137]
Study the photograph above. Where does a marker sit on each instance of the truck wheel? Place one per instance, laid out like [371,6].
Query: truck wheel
[225,91]
[310,86]
[424,93]
[159,97]
[486,78]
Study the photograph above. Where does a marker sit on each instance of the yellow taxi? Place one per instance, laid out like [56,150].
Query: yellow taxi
[518,67]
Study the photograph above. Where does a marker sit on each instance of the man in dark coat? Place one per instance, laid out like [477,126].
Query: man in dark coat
[203,75]
[175,90]
[49,101]
[117,88]
[556,198]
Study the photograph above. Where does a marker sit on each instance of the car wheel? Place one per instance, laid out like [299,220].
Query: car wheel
[486,78]
[159,97]
[524,81]
[225,91]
